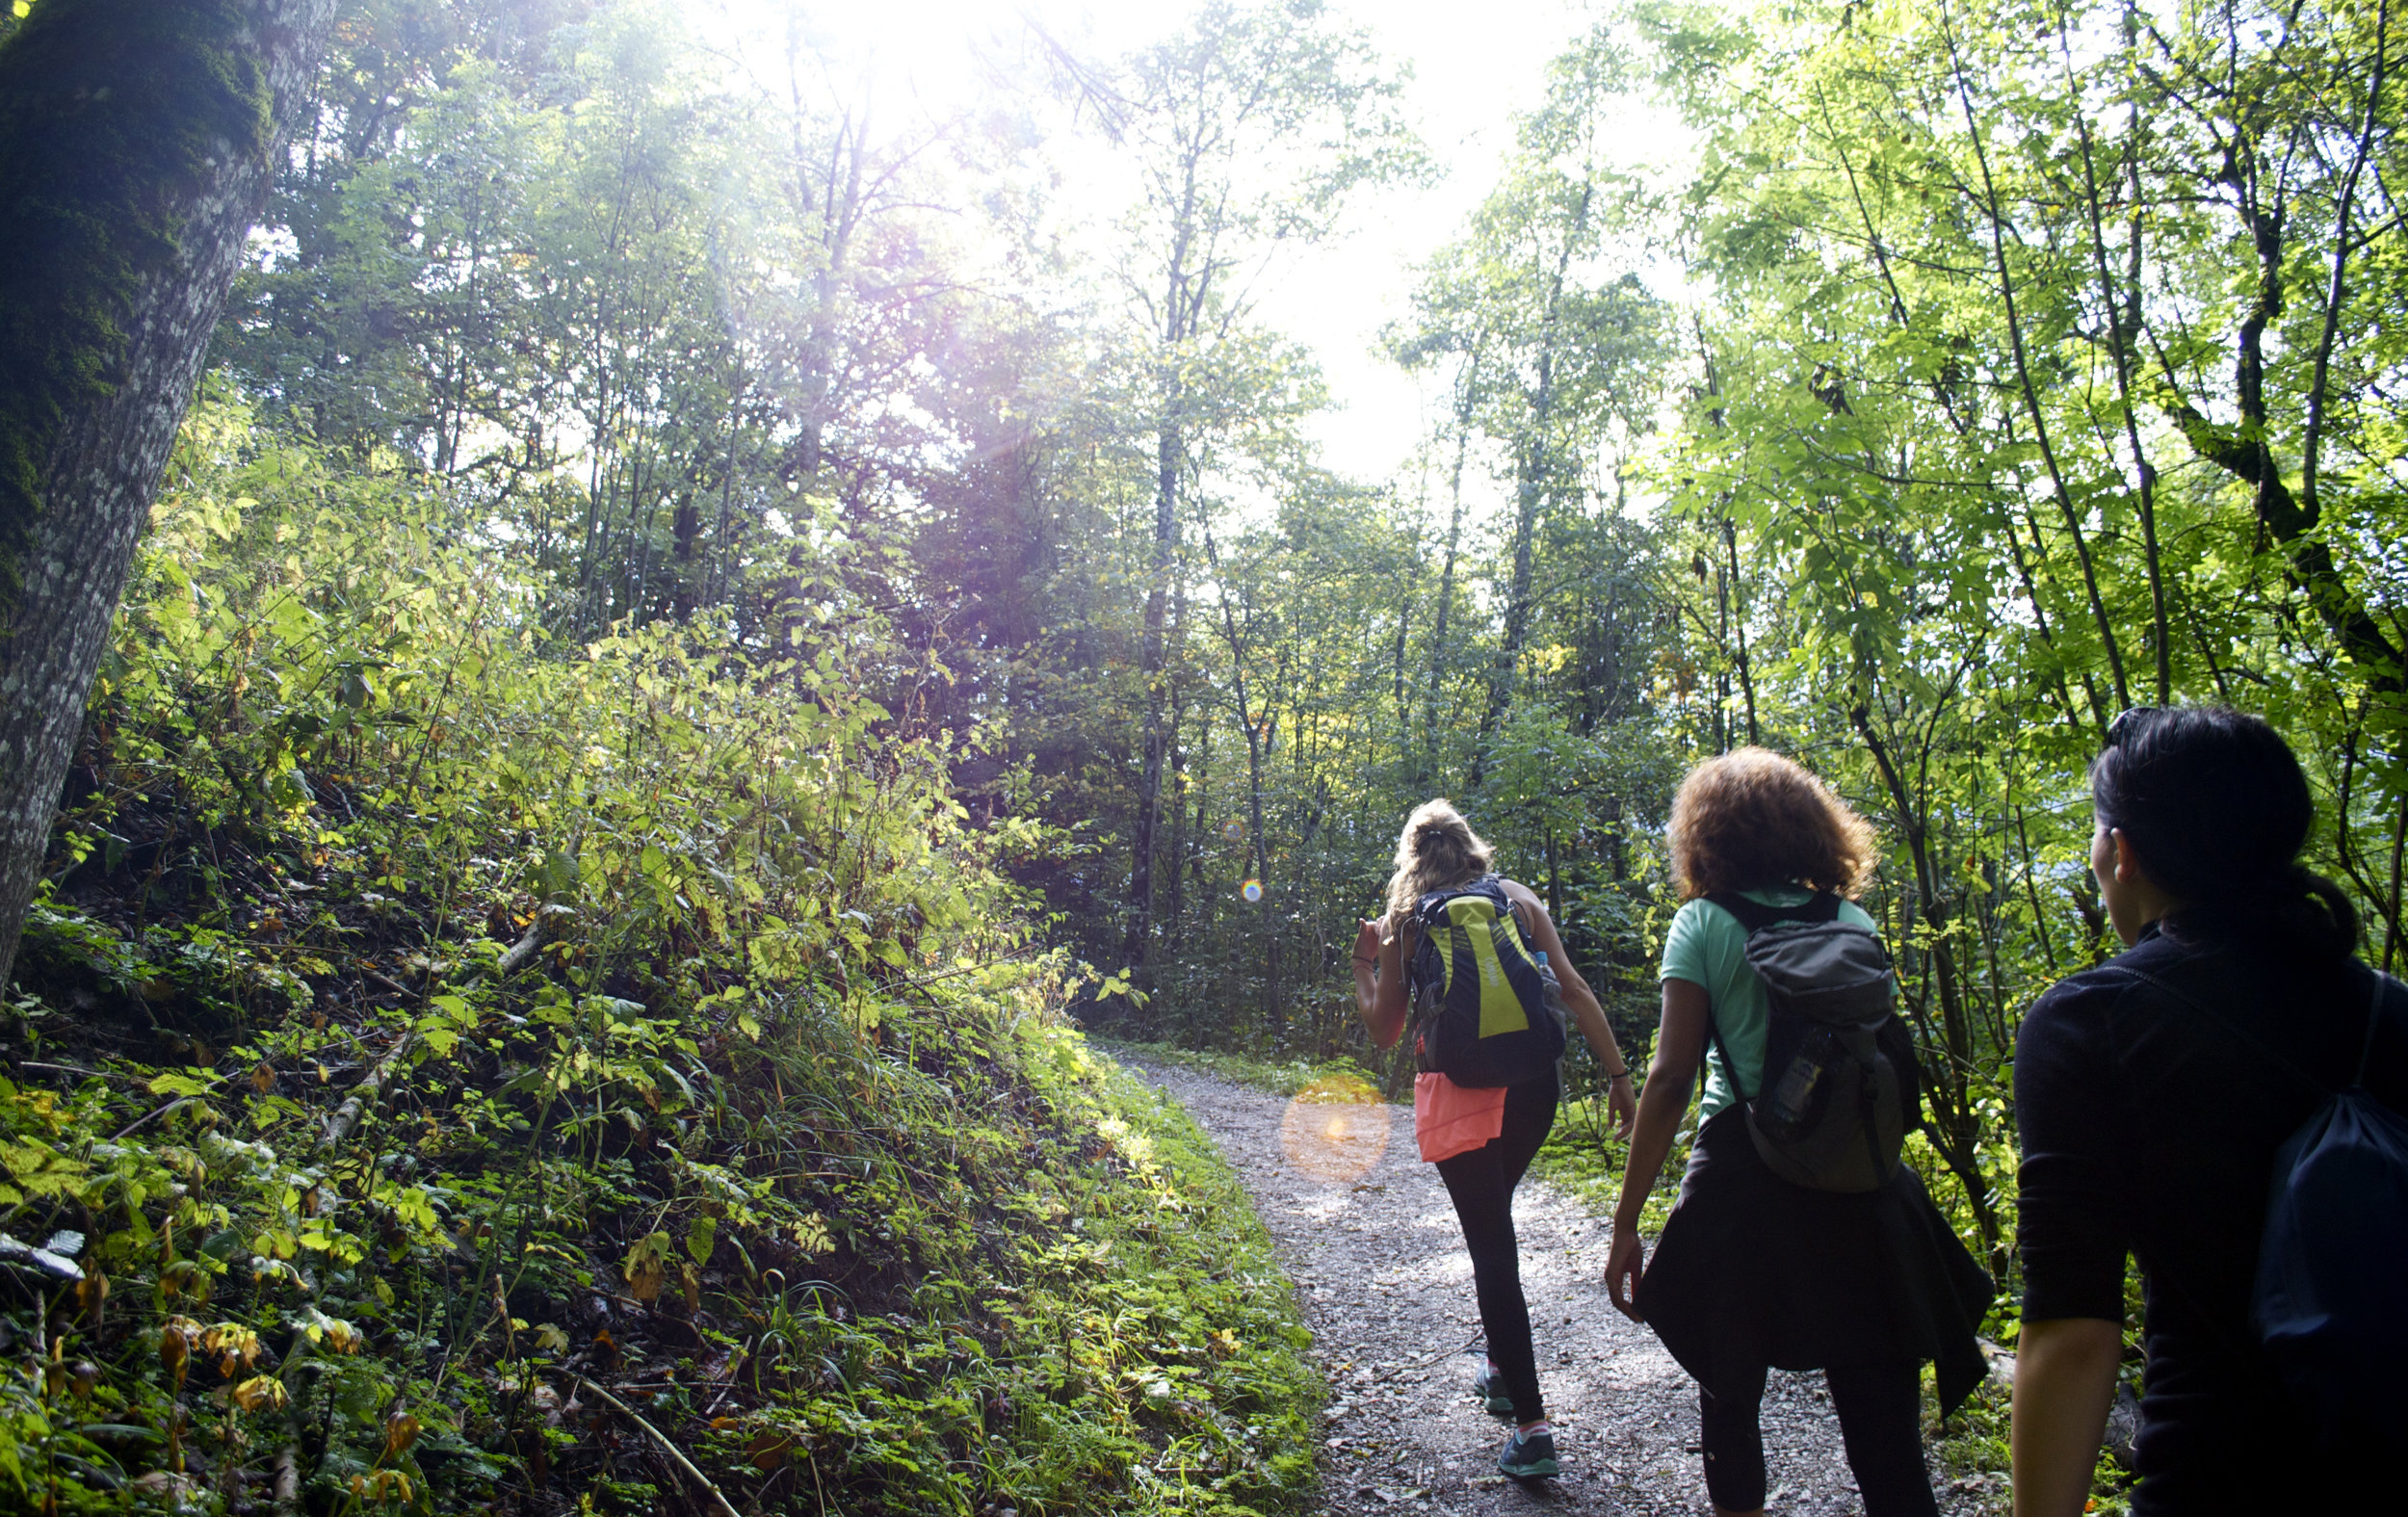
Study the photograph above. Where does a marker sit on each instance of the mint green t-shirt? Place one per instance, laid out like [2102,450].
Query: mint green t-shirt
[1707,946]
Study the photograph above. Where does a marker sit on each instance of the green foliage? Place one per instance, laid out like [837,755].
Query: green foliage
[2003,423]
[439,1047]
[1279,1079]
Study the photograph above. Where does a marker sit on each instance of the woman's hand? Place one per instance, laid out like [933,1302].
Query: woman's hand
[1625,1262]
[1623,1106]
[1366,944]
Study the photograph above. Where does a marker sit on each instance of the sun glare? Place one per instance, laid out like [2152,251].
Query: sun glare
[906,64]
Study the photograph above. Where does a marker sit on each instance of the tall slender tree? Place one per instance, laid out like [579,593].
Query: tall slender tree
[1250,128]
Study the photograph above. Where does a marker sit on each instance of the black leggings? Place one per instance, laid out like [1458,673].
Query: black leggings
[1481,1185]
[1880,1409]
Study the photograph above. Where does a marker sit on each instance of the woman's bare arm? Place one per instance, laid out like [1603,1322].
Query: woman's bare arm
[1581,1002]
[2064,1385]
[1680,1041]
[1379,1000]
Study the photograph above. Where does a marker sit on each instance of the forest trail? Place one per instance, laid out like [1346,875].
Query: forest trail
[1386,1287]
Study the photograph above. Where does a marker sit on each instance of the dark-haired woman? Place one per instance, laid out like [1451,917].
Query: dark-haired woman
[1483,1140]
[1753,1271]
[2152,1093]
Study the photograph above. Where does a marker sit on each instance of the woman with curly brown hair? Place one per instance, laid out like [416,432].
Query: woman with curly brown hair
[1754,1272]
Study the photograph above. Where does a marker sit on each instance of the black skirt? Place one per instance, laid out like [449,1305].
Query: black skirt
[1754,1270]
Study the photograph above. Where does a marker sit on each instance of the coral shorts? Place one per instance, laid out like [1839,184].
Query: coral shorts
[1449,1119]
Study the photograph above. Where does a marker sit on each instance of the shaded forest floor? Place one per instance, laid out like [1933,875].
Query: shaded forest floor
[1366,1231]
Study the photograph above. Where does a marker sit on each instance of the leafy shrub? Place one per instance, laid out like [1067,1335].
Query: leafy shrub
[453,1070]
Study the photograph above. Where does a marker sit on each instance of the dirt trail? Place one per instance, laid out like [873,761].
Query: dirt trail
[1386,1287]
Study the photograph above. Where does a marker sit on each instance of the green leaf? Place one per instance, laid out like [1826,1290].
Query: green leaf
[701,1238]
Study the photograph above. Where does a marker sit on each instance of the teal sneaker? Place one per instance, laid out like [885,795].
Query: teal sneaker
[1490,1389]
[1529,1456]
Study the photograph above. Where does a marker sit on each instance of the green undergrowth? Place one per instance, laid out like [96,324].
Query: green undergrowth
[450,1072]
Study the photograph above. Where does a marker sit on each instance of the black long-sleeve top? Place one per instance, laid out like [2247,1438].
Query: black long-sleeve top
[2150,1128]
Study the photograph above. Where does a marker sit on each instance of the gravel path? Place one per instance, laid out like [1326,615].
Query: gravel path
[1366,1231]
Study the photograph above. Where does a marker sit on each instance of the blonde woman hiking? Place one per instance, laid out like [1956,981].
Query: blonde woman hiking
[1474,960]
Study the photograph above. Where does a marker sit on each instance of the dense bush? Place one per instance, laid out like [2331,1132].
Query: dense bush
[451,1071]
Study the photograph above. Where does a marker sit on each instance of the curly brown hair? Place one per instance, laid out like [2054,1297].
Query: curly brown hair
[1751,819]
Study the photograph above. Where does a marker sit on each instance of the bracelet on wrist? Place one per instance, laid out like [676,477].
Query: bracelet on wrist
[1621,1074]
[1360,960]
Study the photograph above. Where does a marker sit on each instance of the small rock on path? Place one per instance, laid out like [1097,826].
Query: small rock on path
[1386,1287]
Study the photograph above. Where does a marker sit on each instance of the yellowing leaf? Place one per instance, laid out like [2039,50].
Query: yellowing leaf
[236,1346]
[647,1266]
[260,1393]
[332,1331]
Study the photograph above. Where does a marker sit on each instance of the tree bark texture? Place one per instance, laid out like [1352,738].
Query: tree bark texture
[138,141]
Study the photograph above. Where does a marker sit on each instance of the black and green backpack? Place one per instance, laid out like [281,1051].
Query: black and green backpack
[1839,1088]
[1486,1008]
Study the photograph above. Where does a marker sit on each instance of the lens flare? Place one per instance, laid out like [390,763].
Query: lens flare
[1336,1128]
[1232,830]
[1253,890]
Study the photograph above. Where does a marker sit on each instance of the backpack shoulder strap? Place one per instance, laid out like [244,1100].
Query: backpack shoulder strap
[2383,983]
[1488,887]
[1755,916]
[1715,1044]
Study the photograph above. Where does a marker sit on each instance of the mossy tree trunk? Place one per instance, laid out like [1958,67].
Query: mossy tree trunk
[137,145]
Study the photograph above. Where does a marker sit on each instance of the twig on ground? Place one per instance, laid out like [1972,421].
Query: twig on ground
[666,1447]
[287,1494]
[547,924]
[364,1094]
[1469,1345]
[147,1118]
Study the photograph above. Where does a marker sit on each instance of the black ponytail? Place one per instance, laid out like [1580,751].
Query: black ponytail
[2214,804]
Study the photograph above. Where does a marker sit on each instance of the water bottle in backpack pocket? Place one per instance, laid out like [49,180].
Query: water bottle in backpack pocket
[1839,1088]
[1803,1094]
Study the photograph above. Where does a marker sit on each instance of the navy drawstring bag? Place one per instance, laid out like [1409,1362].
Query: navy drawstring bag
[2328,1304]
[2331,1300]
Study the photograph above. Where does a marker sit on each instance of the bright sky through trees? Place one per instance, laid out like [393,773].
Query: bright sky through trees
[1471,73]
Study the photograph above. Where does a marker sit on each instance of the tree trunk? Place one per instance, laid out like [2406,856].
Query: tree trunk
[1171,451]
[1426,772]
[1530,466]
[136,145]
[1954,1126]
